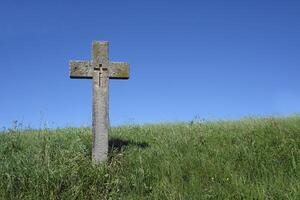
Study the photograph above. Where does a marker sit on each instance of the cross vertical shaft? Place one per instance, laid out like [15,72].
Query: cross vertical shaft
[100,101]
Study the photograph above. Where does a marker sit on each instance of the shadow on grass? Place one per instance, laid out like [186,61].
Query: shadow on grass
[116,144]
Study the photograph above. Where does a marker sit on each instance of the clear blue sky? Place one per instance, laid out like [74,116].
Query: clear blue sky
[212,59]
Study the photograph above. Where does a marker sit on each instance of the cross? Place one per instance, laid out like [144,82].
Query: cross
[100,70]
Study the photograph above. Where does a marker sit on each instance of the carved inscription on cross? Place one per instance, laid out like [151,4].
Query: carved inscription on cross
[100,70]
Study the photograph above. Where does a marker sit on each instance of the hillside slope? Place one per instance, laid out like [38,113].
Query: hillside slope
[246,159]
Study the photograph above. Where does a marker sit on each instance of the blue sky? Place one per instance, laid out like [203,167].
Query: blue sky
[189,59]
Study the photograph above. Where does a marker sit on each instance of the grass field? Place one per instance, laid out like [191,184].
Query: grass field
[256,158]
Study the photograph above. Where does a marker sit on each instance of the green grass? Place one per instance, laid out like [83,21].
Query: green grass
[246,159]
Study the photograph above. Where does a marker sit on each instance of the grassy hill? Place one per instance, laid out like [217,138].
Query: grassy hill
[246,159]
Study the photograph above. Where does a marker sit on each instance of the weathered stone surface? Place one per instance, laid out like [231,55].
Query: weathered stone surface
[100,101]
[84,70]
[81,69]
[118,70]
[100,70]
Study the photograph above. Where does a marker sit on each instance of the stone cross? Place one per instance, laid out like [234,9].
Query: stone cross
[100,70]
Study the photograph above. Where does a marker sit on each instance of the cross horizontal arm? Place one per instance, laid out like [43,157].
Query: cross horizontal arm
[81,69]
[118,70]
[84,70]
